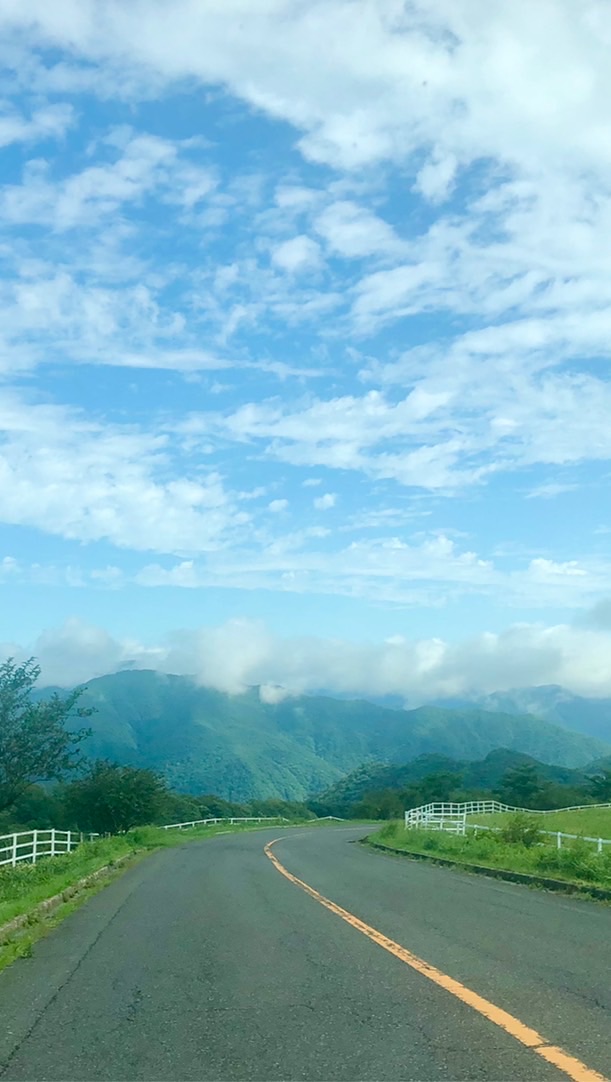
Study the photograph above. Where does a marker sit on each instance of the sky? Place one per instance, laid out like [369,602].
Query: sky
[305,342]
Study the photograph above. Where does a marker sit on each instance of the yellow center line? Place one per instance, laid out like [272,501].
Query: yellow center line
[570,1065]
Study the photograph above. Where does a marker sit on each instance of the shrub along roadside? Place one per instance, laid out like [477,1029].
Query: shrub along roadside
[577,862]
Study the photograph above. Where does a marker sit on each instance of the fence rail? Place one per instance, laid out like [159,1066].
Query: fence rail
[226,819]
[29,845]
[452,818]
[557,834]
[481,807]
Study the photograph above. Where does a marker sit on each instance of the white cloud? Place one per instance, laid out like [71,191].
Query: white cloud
[242,652]
[48,122]
[430,569]
[325,502]
[144,163]
[454,77]
[542,568]
[273,693]
[549,490]
[355,232]
[599,616]
[435,179]
[403,107]
[83,480]
[182,574]
[297,254]
[78,651]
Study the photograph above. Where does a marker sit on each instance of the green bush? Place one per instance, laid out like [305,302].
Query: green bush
[520,829]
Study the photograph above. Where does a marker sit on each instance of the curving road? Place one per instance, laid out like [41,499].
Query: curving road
[205,962]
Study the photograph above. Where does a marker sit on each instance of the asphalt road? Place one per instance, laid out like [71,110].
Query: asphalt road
[203,962]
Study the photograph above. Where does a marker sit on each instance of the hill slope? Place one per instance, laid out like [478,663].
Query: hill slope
[241,748]
[549,702]
[484,774]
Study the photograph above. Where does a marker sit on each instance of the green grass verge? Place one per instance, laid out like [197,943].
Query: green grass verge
[577,861]
[590,822]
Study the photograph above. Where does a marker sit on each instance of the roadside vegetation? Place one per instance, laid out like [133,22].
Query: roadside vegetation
[375,791]
[516,846]
[589,822]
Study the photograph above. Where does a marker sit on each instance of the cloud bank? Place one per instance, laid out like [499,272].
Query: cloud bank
[242,653]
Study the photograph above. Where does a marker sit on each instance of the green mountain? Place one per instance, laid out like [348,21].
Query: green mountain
[549,702]
[482,774]
[241,748]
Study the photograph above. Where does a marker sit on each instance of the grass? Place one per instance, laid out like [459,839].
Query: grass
[589,822]
[577,861]
[23,887]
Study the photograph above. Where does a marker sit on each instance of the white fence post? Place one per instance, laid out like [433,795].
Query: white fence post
[52,853]
[14,857]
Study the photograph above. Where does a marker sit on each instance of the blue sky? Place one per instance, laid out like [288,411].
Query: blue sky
[304,357]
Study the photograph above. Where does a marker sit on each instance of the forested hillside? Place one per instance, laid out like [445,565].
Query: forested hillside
[242,748]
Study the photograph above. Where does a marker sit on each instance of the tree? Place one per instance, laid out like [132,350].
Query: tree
[601,787]
[524,788]
[110,798]
[438,788]
[35,743]
[521,829]
[37,808]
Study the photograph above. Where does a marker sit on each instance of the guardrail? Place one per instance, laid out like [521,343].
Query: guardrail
[324,818]
[29,845]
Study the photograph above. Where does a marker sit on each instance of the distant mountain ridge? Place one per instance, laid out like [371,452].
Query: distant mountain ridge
[551,702]
[241,748]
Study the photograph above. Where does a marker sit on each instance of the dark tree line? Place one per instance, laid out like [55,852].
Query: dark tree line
[521,786]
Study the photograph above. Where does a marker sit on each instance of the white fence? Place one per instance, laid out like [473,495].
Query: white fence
[235,819]
[29,845]
[557,834]
[452,818]
[448,816]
